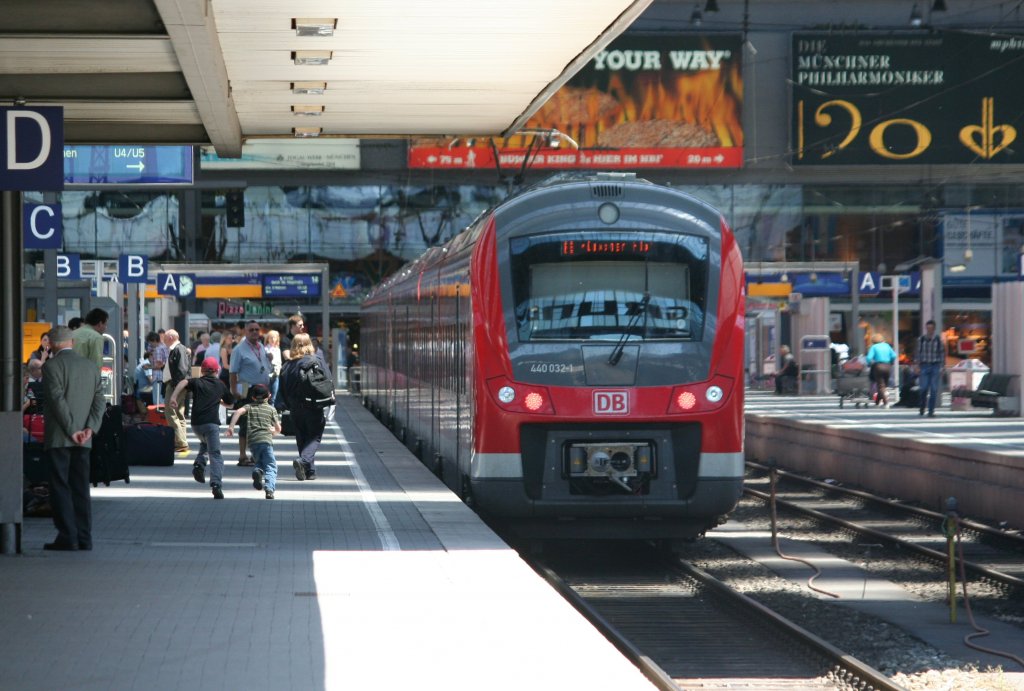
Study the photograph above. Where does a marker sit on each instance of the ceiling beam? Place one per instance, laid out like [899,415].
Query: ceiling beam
[53,54]
[190,25]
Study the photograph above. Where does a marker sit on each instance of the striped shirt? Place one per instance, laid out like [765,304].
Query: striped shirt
[929,350]
[262,419]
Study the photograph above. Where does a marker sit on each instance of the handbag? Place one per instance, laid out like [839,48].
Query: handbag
[287,423]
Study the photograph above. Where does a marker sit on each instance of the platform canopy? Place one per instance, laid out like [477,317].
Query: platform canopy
[222,71]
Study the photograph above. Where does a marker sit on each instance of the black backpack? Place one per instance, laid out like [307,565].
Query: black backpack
[314,388]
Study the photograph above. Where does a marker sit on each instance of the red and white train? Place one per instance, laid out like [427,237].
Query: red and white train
[572,363]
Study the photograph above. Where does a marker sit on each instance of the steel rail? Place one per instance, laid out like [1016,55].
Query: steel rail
[854,673]
[934,555]
[980,528]
[650,669]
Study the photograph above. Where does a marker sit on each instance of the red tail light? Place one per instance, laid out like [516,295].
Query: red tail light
[686,400]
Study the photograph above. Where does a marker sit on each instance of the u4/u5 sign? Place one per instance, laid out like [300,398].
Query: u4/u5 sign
[32,149]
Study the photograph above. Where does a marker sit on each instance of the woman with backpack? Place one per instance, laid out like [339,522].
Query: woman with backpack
[302,390]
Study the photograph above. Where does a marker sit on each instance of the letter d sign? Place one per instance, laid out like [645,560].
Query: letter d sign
[133,268]
[32,149]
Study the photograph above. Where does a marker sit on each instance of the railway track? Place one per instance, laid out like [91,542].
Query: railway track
[685,629]
[993,556]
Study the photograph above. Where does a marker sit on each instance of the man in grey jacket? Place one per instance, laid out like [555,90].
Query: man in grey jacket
[73,407]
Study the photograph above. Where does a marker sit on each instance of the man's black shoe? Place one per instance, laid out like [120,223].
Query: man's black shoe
[199,473]
[270,494]
[931,414]
[60,547]
[922,412]
[300,470]
[257,478]
[217,492]
[310,474]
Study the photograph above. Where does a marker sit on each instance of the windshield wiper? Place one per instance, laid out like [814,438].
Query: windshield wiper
[641,309]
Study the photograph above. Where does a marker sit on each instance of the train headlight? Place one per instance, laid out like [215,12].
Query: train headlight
[608,213]
[686,400]
[506,394]
[714,394]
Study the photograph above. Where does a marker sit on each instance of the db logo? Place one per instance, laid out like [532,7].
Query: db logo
[611,403]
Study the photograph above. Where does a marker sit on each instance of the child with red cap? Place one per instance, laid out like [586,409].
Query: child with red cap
[262,423]
[208,393]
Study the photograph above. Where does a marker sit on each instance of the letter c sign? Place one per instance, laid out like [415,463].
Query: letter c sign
[42,226]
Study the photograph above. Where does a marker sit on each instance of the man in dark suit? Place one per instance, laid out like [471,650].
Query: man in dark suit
[73,407]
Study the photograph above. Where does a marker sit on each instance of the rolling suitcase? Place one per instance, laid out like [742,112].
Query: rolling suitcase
[35,424]
[34,463]
[155,415]
[149,444]
[107,461]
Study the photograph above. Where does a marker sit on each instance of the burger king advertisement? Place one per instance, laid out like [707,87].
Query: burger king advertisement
[662,101]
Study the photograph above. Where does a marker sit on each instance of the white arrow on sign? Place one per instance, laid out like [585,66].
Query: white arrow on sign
[140,166]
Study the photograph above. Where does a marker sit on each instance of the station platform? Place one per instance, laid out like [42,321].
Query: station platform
[971,455]
[373,576]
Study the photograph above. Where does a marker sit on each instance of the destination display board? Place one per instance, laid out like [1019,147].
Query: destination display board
[291,285]
[127,164]
[906,98]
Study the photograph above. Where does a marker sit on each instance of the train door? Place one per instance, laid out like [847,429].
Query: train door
[407,374]
[459,380]
[432,356]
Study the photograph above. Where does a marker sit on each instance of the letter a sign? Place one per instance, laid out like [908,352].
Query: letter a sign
[32,149]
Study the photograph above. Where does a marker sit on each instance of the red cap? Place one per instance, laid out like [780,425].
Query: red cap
[211,364]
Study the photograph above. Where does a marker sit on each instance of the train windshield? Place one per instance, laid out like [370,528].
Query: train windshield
[609,286]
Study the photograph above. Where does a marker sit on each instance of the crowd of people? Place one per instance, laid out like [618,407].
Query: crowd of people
[920,378]
[248,377]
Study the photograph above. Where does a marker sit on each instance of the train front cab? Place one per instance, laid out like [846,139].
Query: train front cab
[618,409]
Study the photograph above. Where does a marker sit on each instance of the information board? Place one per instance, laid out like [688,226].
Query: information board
[123,164]
[291,285]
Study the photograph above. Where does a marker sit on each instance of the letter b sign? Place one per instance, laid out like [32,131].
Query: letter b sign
[133,268]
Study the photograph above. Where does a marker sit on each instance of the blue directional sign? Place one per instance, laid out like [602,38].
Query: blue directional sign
[178,285]
[124,164]
[42,226]
[69,266]
[291,285]
[30,148]
[132,268]
[814,343]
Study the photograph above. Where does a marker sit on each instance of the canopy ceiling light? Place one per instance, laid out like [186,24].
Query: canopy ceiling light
[711,6]
[309,88]
[939,6]
[915,16]
[311,57]
[304,132]
[318,26]
[696,17]
[308,111]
